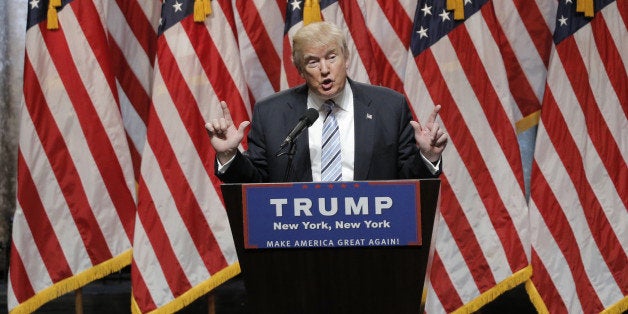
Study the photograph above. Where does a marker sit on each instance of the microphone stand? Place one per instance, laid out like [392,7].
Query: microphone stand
[292,148]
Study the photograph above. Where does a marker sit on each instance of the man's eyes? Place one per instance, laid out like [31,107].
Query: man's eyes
[314,63]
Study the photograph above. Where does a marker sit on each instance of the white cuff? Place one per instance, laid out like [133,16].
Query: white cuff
[433,168]
[223,168]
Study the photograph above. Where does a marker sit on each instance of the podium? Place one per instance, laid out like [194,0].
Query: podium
[354,279]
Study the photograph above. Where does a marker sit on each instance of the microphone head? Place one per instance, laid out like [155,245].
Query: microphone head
[310,116]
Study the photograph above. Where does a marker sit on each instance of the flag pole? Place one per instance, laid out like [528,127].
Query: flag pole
[78,301]
[211,303]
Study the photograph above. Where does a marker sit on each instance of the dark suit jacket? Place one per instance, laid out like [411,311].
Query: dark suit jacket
[384,139]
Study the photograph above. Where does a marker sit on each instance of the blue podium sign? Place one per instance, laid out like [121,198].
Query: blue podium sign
[342,214]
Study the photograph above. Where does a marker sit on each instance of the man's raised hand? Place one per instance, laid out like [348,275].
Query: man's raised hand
[429,137]
[223,135]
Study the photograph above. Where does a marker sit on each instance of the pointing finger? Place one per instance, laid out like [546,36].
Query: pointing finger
[225,110]
[433,115]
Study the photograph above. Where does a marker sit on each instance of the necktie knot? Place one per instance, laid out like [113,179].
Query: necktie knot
[328,108]
[329,105]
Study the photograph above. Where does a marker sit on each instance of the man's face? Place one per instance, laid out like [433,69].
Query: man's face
[324,70]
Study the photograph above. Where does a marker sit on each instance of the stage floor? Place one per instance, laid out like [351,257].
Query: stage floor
[112,295]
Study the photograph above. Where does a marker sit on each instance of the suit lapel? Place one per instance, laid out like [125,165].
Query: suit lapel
[364,131]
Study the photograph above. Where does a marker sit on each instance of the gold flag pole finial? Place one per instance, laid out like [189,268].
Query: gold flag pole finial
[207,5]
[586,7]
[202,9]
[458,7]
[52,21]
[311,12]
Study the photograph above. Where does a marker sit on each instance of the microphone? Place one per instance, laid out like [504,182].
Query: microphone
[305,122]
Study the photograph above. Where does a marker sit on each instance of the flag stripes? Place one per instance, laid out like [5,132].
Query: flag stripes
[69,175]
[350,14]
[385,53]
[96,133]
[119,95]
[76,205]
[482,240]
[399,15]
[138,19]
[444,285]
[180,182]
[578,194]
[541,275]
[228,88]
[556,224]
[183,246]
[23,289]
[455,216]
[55,263]
[66,173]
[601,138]
[525,52]
[260,34]
[134,101]
[133,37]
[385,20]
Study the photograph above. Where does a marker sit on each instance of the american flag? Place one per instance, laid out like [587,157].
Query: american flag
[260,25]
[488,71]
[579,195]
[183,246]
[75,193]
[132,27]
[481,235]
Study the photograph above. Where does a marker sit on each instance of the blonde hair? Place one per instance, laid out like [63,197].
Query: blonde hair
[317,34]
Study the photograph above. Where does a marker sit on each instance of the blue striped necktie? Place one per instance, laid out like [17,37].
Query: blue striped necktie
[331,161]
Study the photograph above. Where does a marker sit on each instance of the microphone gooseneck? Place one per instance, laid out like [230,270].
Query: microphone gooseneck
[305,122]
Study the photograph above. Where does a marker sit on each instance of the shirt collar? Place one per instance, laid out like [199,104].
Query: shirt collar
[317,102]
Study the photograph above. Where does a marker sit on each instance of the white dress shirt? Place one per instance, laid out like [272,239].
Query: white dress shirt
[344,117]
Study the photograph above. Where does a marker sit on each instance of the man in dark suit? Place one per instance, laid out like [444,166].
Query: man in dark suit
[377,139]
